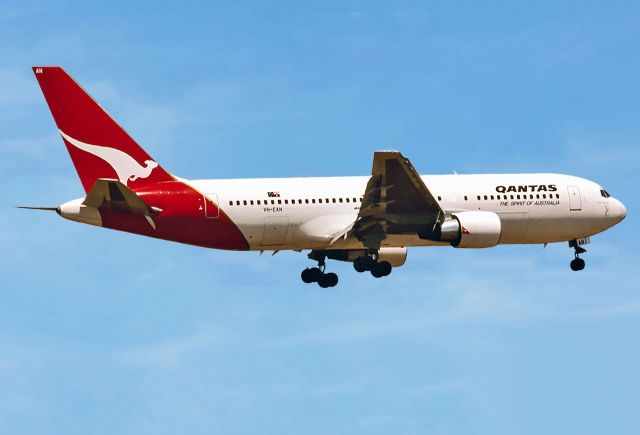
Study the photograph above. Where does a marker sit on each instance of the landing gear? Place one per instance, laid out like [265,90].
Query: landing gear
[316,274]
[380,269]
[311,275]
[362,264]
[328,280]
[577,263]
[377,268]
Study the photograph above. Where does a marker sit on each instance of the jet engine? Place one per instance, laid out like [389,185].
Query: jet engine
[470,229]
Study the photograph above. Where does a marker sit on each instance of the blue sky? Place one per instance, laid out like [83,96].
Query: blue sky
[104,332]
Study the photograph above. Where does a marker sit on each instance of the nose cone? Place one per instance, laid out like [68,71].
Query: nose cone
[617,211]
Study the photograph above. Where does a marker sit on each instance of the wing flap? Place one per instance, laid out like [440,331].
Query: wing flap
[396,201]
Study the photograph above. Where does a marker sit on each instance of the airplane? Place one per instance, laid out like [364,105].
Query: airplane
[367,220]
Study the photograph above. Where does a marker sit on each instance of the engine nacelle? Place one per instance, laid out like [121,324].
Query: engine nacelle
[478,229]
[472,229]
[395,256]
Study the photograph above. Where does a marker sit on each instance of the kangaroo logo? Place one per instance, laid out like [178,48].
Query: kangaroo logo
[127,168]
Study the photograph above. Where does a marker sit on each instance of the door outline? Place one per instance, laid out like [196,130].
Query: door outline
[575,200]
[211,207]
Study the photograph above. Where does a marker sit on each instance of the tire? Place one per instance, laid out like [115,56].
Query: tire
[332,279]
[577,264]
[381,269]
[360,264]
[385,267]
[310,275]
[323,281]
[376,272]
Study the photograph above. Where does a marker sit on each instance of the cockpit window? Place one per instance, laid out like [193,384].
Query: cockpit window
[604,194]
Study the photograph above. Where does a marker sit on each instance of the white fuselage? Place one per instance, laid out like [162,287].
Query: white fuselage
[305,213]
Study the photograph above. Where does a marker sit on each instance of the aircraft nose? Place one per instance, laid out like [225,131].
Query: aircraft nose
[618,210]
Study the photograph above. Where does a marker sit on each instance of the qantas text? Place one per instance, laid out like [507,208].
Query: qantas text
[527,188]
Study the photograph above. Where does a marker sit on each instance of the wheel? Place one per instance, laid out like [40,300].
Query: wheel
[386,267]
[362,264]
[310,275]
[328,280]
[577,264]
[332,279]
[381,269]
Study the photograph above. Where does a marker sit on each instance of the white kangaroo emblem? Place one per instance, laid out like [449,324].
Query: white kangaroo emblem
[127,168]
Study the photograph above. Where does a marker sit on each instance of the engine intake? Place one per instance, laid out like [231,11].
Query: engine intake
[470,229]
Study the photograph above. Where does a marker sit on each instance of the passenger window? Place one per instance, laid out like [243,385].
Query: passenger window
[279,201]
[354,200]
[230,202]
[492,197]
[339,199]
[465,198]
[485,197]
[334,200]
[347,199]
[439,198]
[313,200]
[557,196]
[478,197]
[518,196]
[244,202]
[306,201]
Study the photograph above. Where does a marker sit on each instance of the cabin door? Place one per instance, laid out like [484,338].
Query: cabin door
[575,202]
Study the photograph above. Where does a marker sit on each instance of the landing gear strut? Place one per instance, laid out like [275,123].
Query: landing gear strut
[577,263]
[317,274]
[378,269]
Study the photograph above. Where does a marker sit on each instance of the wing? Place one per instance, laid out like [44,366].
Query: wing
[396,201]
[114,195]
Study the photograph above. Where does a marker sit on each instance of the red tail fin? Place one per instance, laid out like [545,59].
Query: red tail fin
[98,146]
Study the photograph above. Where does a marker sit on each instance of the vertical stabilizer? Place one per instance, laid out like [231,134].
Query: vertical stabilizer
[98,146]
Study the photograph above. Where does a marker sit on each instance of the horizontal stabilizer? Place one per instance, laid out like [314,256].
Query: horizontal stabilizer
[113,195]
[26,207]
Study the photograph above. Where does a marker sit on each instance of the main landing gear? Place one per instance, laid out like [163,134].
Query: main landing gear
[363,260]
[317,274]
[577,263]
[377,268]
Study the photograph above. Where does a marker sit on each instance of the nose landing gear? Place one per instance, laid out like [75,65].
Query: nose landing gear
[577,263]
